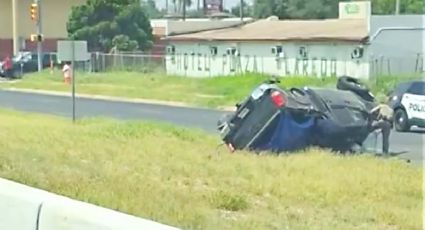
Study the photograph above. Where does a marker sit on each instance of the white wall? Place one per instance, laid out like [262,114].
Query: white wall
[257,57]
[396,43]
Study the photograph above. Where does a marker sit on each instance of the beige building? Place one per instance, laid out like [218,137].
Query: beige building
[54,17]
[356,43]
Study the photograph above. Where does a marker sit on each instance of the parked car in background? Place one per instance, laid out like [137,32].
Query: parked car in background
[408,102]
[27,62]
[1,69]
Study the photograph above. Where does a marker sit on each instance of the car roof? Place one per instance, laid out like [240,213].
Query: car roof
[413,82]
[404,87]
[406,84]
[418,81]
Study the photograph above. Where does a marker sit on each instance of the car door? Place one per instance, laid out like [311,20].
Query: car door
[414,101]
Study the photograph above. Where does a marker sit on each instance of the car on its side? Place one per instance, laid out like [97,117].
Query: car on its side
[284,119]
[408,102]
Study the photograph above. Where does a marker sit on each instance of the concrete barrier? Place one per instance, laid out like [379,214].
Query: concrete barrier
[17,213]
[75,215]
[26,208]
[19,205]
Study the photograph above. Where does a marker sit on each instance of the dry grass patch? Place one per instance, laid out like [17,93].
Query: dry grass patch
[175,176]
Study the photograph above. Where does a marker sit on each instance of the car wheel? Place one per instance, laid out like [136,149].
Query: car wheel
[401,122]
[354,85]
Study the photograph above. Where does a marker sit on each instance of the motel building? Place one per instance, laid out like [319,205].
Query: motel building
[356,43]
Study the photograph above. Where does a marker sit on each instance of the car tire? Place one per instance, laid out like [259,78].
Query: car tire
[355,86]
[401,122]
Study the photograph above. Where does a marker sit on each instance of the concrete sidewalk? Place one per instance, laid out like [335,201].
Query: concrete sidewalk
[117,99]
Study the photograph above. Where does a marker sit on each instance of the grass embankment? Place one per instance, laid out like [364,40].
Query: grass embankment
[174,176]
[208,92]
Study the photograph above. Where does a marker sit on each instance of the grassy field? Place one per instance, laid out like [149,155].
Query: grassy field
[210,92]
[175,176]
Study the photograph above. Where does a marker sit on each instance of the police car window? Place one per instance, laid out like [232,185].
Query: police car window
[417,88]
[402,88]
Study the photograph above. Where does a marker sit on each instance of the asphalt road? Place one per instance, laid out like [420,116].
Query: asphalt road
[412,143]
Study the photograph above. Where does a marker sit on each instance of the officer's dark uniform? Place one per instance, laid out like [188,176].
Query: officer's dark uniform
[382,117]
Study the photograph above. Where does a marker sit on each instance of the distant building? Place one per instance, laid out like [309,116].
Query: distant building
[356,44]
[162,28]
[212,6]
[54,16]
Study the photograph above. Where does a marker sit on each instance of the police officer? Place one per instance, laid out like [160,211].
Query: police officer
[382,118]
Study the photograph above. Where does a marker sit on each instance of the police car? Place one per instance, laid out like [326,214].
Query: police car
[408,102]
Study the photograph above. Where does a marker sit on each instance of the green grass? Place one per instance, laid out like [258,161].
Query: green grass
[208,92]
[175,176]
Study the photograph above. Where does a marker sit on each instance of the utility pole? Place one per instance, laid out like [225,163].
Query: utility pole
[39,35]
[241,10]
[184,10]
[397,7]
[15,27]
[73,79]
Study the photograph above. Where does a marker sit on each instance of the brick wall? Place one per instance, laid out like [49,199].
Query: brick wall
[158,46]
[6,46]
[50,45]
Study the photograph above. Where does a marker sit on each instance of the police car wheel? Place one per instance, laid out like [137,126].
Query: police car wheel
[401,121]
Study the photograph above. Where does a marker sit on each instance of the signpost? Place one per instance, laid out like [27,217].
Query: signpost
[70,50]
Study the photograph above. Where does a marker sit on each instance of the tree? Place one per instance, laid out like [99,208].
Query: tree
[297,9]
[247,10]
[105,24]
[406,6]
[321,9]
[312,9]
[178,5]
[151,9]
[264,8]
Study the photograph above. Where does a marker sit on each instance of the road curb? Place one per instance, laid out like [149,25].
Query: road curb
[116,99]
[26,208]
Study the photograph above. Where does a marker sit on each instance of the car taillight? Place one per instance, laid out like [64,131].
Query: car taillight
[278,98]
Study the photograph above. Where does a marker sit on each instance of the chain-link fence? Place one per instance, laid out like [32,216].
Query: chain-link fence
[101,62]
[394,66]
[373,66]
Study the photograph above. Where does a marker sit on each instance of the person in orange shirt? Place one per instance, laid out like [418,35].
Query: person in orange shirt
[67,73]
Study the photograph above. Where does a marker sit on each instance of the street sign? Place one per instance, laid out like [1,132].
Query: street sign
[68,48]
[72,51]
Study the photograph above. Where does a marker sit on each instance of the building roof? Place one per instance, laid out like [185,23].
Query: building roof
[285,30]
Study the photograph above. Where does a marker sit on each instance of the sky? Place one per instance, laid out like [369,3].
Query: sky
[227,3]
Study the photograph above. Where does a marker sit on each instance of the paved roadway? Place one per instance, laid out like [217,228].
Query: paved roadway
[190,117]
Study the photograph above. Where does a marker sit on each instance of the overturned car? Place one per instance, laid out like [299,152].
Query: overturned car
[279,120]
